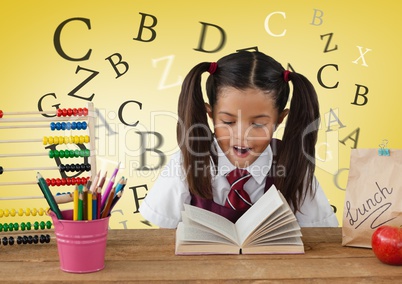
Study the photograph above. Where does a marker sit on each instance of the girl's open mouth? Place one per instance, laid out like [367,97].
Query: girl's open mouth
[241,151]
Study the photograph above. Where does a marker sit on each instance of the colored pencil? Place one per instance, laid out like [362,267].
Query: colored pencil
[89,206]
[108,203]
[80,201]
[98,202]
[85,203]
[94,206]
[102,181]
[48,195]
[110,185]
[108,189]
[120,185]
[75,211]
[94,183]
[115,200]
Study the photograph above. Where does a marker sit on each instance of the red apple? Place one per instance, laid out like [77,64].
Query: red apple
[386,242]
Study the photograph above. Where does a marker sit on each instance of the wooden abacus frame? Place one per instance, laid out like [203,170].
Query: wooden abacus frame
[73,117]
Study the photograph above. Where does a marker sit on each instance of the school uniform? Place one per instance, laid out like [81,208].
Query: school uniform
[165,201]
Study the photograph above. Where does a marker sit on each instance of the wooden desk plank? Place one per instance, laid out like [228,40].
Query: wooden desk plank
[148,255]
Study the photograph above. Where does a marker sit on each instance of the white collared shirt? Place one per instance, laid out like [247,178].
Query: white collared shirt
[164,202]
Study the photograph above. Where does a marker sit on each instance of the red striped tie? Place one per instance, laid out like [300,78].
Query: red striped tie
[238,198]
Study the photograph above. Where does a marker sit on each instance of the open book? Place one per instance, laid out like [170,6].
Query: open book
[268,227]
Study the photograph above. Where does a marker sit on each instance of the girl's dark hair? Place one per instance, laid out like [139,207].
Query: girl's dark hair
[243,70]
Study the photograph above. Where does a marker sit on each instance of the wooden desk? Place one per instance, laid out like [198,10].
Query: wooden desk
[148,255]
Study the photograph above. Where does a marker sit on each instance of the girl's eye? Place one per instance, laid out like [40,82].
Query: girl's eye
[227,122]
[258,125]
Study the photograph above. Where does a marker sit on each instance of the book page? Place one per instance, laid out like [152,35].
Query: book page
[190,234]
[212,220]
[187,222]
[189,242]
[273,223]
[288,230]
[258,213]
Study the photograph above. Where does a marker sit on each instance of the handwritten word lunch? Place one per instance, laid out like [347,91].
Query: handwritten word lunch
[371,210]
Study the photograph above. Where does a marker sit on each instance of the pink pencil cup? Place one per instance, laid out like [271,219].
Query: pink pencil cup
[81,244]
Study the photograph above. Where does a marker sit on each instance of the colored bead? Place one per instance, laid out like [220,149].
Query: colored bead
[69,111]
[58,181]
[52,126]
[1,227]
[50,140]
[42,225]
[11,227]
[80,111]
[59,112]
[63,126]
[24,240]
[11,241]
[36,225]
[5,227]
[64,112]
[75,111]
[22,226]
[48,224]
[74,125]
[77,153]
[30,239]
[28,224]
[6,213]
[41,211]
[1,114]
[20,212]
[62,153]
[19,240]
[42,239]
[47,238]
[45,140]
[51,154]
[84,125]
[58,125]
[34,211]
[35,239]
[48,181]
[63,181]
[16,226]
[5,241]
[12,213]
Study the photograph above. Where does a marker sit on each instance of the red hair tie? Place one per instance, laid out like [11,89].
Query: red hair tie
[212,67]
[286,75]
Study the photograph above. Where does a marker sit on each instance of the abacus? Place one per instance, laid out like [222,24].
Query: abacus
[77,148]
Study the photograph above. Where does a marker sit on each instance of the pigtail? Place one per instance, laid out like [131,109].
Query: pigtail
[297,155]
[194,135]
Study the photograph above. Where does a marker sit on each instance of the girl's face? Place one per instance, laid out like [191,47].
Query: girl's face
[244,122]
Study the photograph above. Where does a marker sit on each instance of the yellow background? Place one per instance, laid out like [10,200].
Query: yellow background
[31,68]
